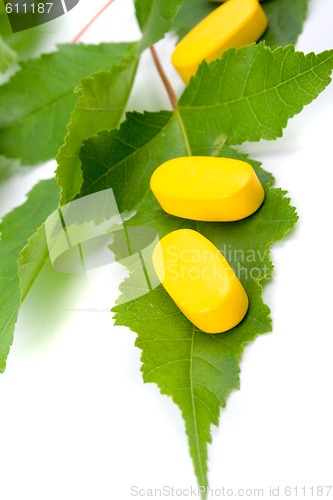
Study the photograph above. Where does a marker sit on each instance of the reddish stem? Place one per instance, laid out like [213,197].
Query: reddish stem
[165,80]
[96,16]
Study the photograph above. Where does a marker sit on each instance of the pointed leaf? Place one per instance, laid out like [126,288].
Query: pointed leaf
[250,93]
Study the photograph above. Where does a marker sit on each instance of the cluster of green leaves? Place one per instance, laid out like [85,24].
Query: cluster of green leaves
[74,114]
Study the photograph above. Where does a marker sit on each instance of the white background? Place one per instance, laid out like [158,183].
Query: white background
[76,420]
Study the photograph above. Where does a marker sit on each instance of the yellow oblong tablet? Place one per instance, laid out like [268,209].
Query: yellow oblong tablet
[234,24]
[207,188]
[200,281]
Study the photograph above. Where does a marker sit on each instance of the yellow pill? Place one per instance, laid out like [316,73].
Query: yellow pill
[234,24]
[200,281]
[207,188]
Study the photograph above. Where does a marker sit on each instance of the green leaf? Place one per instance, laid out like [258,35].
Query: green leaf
[286,20]
[251,92]
[155,19]
[101,104]
[190,14]
[197,370]
[37,101]
[15,229]
[7,56]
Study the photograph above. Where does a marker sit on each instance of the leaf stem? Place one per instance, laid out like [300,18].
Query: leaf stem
[87,26]
[165,80]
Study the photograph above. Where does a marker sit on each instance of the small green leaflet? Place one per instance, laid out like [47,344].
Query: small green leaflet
[209,117]
[286,19]
[15,229]
[37,101]
[155,19]
[101,104]
[7,56]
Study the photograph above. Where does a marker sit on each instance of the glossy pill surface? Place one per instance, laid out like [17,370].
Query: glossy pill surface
[234,24]
[200,281]
[207,188]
